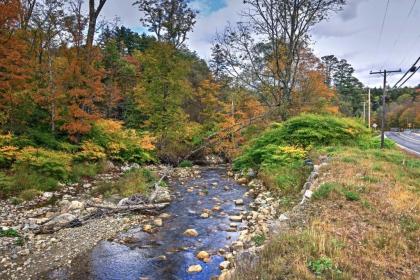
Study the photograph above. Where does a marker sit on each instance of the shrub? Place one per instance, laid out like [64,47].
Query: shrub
[135,181]
[29,194]
[374,143]
[56,165]
[313,130]
[185,163]
[8,155]
[90,152]
[80,170]
[270,155]
[123,145]
[24,178]
[6,185]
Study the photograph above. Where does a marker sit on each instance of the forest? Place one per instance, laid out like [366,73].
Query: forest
[80,89]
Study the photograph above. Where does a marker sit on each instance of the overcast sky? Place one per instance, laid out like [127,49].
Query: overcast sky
[352,34]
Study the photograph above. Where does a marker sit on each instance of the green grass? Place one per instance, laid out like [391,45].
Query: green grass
[324,190]
[185,163]
[351,196]
[321,266]
[9,233]
[258,239]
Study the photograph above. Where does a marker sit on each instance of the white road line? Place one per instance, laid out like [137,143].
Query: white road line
[403,147]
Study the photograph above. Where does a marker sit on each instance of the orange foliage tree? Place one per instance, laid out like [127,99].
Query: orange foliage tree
[14,64]
[81,86]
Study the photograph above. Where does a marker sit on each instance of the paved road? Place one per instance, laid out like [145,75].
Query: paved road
[408,141]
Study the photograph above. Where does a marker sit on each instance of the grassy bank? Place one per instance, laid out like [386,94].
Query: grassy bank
[39,161]
[362,223]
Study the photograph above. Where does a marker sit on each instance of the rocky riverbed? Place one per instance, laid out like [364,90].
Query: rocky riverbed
[211,219]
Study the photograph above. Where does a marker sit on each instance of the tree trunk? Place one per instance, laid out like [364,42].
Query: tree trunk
[93,17]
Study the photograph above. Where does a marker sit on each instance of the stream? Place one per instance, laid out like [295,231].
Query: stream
[167,253]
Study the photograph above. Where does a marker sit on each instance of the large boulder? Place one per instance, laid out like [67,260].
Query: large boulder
[160,195]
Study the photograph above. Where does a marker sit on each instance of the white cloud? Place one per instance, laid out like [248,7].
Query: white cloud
[352,34]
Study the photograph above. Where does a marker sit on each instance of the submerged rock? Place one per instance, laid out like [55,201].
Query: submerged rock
[191,232]
[194,268]
[202,255]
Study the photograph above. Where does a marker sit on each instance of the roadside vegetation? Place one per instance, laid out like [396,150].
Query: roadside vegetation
[363,221]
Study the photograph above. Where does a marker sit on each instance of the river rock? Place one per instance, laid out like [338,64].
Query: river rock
[235,218]
[47,195]
[239,202]
[191,232]
[147,228]
[76,205]
[242,181]
[194,268]
[160,195]
[202,255]
[164,216]
[61,220]
[158,222]
[204,215]
[224,265]
[238,245]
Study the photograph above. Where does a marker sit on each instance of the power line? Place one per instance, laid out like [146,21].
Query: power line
[406,73]
[409,77]
[405,23]
[383,23]
[412,8]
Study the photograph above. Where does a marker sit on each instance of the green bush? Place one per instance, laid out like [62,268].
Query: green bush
[313,130]
[286,142]
[81,170]
[29,194]
[185,163]
[24,178]
[56,165]
[368,142]
[135,181]
[119,144]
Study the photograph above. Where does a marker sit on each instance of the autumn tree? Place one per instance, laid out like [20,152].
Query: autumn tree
[169,20]
[263,50]
[15,70]
[48,26]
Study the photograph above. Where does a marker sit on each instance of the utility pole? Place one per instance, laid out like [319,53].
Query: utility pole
[364,112]
[384,73]
[369,108]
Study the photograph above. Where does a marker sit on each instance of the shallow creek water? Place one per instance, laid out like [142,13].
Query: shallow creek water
[143,258]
